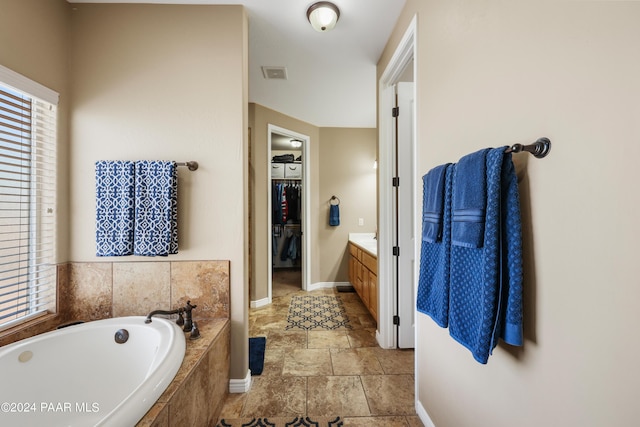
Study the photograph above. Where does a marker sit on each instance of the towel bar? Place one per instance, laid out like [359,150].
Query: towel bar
[539,149]
[190,164]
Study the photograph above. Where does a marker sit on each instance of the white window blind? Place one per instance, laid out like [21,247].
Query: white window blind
[27,200]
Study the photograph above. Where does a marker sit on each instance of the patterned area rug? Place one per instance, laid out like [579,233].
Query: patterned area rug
[282,422]
[317,312]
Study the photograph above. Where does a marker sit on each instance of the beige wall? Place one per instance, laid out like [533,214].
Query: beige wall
[34,41]
[497,72]
[166,82]
[346,171]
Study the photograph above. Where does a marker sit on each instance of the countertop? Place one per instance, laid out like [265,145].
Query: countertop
[365,241]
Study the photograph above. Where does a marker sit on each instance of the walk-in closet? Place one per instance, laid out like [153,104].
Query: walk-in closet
[286,210]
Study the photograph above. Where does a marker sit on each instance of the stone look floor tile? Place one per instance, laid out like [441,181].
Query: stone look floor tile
[307,362]
[384,397]
[327,339]
[396,361]
[355,361]
[233,405]
[362,338]
[336,395]
[414,421]
[273,362]
[276,397]
[390,394]
[376,422]
[286,339]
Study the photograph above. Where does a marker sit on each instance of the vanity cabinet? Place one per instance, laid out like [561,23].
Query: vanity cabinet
[363,275]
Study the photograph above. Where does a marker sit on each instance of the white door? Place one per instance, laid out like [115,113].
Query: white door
[405,216]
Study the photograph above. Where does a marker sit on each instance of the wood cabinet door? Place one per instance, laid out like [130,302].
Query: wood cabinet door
[373,295]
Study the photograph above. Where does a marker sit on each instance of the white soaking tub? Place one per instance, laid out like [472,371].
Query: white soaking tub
[80,375]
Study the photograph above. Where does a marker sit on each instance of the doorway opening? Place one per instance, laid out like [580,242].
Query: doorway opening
[288,253]
[397,177]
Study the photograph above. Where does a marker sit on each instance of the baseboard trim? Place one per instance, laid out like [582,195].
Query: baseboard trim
[423,415]
[241,385]
[261,302]
[325,285]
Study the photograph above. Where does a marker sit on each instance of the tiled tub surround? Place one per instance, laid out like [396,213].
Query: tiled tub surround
[199,389]
[99,290]
[113,289]
[93,291]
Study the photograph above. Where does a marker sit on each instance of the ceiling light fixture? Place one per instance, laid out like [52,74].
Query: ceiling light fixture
[296,143]
[323,16]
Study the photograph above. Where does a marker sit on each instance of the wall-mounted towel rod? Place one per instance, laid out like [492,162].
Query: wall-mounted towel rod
[539,149]
[334,199]
[191,165]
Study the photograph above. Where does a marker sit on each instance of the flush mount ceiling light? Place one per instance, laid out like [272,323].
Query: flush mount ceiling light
[323,16]
[296,143]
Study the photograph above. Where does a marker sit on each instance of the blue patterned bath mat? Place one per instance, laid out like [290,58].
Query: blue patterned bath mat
[317,312]
[282,422]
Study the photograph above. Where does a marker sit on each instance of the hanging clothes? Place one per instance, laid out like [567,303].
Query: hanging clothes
[293,202]
[284,205]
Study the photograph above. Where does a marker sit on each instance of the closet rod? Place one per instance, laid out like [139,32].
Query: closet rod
[539,149]
[192,165]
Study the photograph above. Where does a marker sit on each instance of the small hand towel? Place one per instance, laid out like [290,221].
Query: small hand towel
[433,284]
[334,215]
[156,214]
[469,201]
[485,299]
[114,208]
[433,203]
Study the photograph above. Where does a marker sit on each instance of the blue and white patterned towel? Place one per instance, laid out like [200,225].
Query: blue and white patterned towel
[156,208]
[114,208]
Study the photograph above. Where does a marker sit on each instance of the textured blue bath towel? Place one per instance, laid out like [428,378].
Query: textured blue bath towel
[485,299]
[433,203]
[114,208]
[156,212]
[334,215]
[433,284]
[469,200]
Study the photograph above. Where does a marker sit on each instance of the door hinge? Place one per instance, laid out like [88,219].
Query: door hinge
[396,251]
[395,181]
[395,111]
[396,320]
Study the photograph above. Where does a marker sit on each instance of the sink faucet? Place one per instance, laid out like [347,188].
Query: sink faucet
[177,311]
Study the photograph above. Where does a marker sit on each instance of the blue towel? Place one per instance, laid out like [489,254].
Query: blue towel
[485,295]
[469,201]
[156,215]
[433,203]
[510,328]
[114,208]
[334,215]
[433,284]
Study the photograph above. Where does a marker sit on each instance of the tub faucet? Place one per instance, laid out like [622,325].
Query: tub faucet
[177,311]
[188,323]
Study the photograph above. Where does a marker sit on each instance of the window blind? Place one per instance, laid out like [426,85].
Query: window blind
[27,205]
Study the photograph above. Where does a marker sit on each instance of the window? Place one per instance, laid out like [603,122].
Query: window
[27,199]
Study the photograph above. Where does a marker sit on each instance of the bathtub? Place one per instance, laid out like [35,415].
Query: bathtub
[80,375]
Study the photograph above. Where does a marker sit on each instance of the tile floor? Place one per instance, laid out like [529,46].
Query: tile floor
[326,373]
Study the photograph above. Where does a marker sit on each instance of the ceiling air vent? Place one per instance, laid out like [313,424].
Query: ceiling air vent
[274,73]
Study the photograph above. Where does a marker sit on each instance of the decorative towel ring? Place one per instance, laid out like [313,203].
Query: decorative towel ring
[333,198]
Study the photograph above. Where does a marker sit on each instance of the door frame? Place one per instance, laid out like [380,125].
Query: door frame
[305,223]
[406,51]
